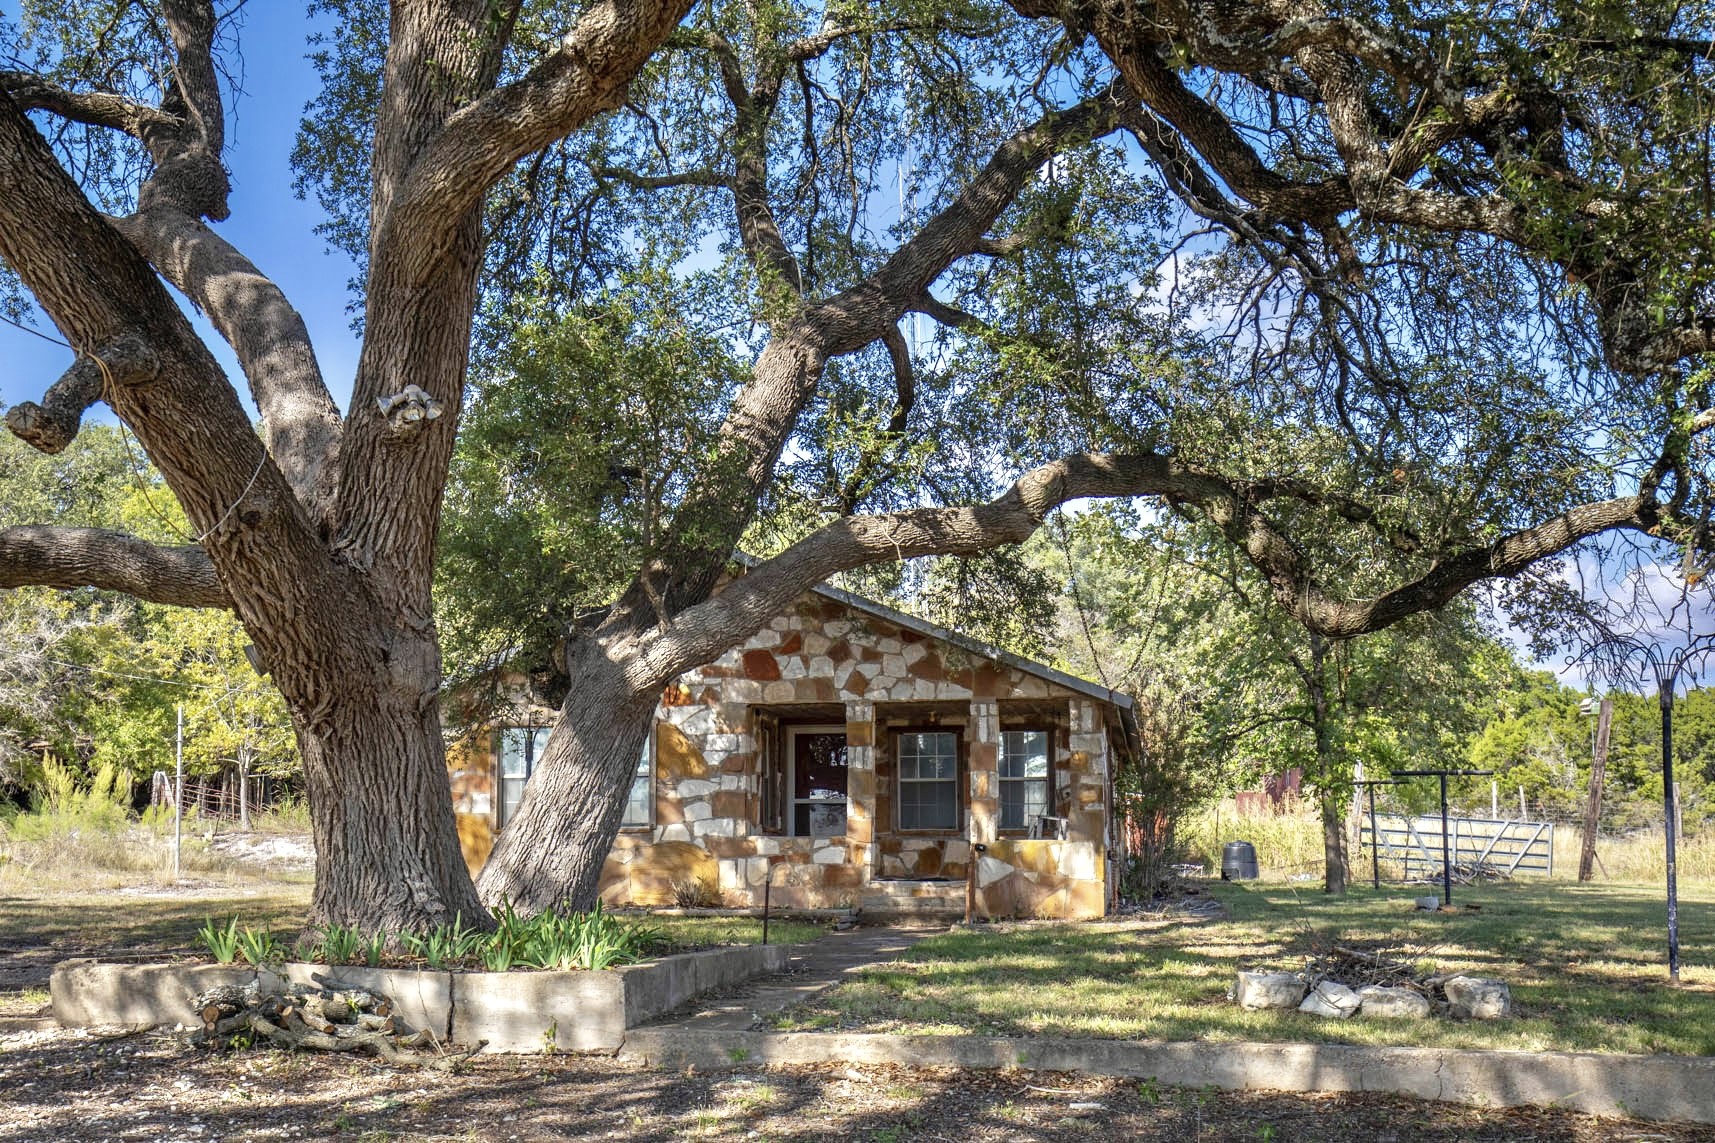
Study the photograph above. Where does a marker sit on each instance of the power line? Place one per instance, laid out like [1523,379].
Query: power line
[138,678]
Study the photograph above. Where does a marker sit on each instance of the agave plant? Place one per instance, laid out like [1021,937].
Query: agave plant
[220,940]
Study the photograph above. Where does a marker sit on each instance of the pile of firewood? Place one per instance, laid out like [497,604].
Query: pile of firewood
[1357,968]
[327,1019]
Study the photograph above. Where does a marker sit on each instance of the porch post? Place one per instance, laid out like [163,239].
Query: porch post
[860,787]
[982,820]
[1087,773]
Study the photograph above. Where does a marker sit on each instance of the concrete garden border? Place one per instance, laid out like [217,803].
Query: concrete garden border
[522,1011]
[1647,1087]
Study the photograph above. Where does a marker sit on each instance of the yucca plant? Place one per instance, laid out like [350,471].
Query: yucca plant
[592,941]
[506,945]
[444,945]
[260,946]
[220,940]
[338,944]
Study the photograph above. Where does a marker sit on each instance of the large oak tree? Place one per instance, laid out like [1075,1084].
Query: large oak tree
[1408,219]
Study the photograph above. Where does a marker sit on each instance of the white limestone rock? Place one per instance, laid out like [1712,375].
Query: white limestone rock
[1268,990]
[1477,998]
[1393,1003]
[1331,998]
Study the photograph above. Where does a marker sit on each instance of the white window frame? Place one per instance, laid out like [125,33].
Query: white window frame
[529,730]
[793,801]
[645,773]
[901,780]
[1046,780]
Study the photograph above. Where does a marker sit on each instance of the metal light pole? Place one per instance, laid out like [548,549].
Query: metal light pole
[1664,666]
[178,789]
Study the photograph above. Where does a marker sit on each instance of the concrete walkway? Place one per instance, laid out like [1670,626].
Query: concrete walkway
[816,967]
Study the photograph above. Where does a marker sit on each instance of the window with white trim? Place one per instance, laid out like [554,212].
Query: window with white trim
[640,800]
[521,747]
[928,779]
[1023,777]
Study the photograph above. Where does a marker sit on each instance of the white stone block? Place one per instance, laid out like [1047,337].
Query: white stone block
[922,689]
[696,788]
[912,652]
[843,674]
[732,872]
[820,667]
[990,870]
[869,670]
[715,827]
[815,643]
[1392,1003]
[778,623]
[893,666]
[829,855]
[860,758]
[793,668]
[767,845]
[860,712]
[1332,999]
[696,811]
[1268,990]
[678,831]
[900,692]
[764,639]
[1077,860]
[779,692]
[1476,998]
[889,646]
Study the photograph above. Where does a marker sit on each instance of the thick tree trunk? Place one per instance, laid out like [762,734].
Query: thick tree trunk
[552,851]
[1334,855]
[1331,791]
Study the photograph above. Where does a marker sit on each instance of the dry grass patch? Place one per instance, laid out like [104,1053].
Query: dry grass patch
[1585,963]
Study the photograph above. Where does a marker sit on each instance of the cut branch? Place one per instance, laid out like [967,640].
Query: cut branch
[53,424]
[46,556]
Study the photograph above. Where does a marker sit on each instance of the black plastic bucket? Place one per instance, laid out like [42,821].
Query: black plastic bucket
[1238,861]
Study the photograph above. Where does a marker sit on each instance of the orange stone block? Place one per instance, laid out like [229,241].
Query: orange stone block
[476,839]
[761,666]
[675,755]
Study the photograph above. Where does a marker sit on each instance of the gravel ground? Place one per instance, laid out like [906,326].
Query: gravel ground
[73,1086]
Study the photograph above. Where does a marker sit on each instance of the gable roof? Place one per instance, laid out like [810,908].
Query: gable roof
[904,619]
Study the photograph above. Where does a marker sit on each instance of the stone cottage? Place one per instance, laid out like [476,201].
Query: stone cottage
[851,755]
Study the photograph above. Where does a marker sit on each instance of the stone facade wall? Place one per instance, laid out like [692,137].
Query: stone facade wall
[825,663]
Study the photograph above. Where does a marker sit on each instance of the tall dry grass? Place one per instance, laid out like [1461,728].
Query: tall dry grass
[1290,845]
[80,834]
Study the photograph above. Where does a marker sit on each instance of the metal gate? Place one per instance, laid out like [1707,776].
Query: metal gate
[1498,845]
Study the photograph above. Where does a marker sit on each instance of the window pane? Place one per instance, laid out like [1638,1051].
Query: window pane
[931,754]
[514,757]
[511,791]
[1024,754]
[928,805]
[539,745]
[640,802]
[1021,800]
[819,819]
[821,766]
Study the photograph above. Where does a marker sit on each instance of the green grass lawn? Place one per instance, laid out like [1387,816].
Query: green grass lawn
[1586,964]
[701,932]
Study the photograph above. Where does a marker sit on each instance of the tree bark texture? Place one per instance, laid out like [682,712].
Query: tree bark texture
[552,850]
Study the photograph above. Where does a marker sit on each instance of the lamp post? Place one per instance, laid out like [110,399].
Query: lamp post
[1663,666]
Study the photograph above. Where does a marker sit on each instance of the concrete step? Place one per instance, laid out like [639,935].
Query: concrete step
[902,897]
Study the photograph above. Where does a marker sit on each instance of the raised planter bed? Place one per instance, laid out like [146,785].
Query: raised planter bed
[513,1011]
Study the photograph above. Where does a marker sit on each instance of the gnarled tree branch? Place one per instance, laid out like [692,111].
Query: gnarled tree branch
[113,561]
[53,424]
[700,633]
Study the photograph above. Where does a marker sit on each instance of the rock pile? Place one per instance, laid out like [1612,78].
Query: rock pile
[1349,982]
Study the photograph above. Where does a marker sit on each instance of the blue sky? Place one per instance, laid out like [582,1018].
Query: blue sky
[269,223]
